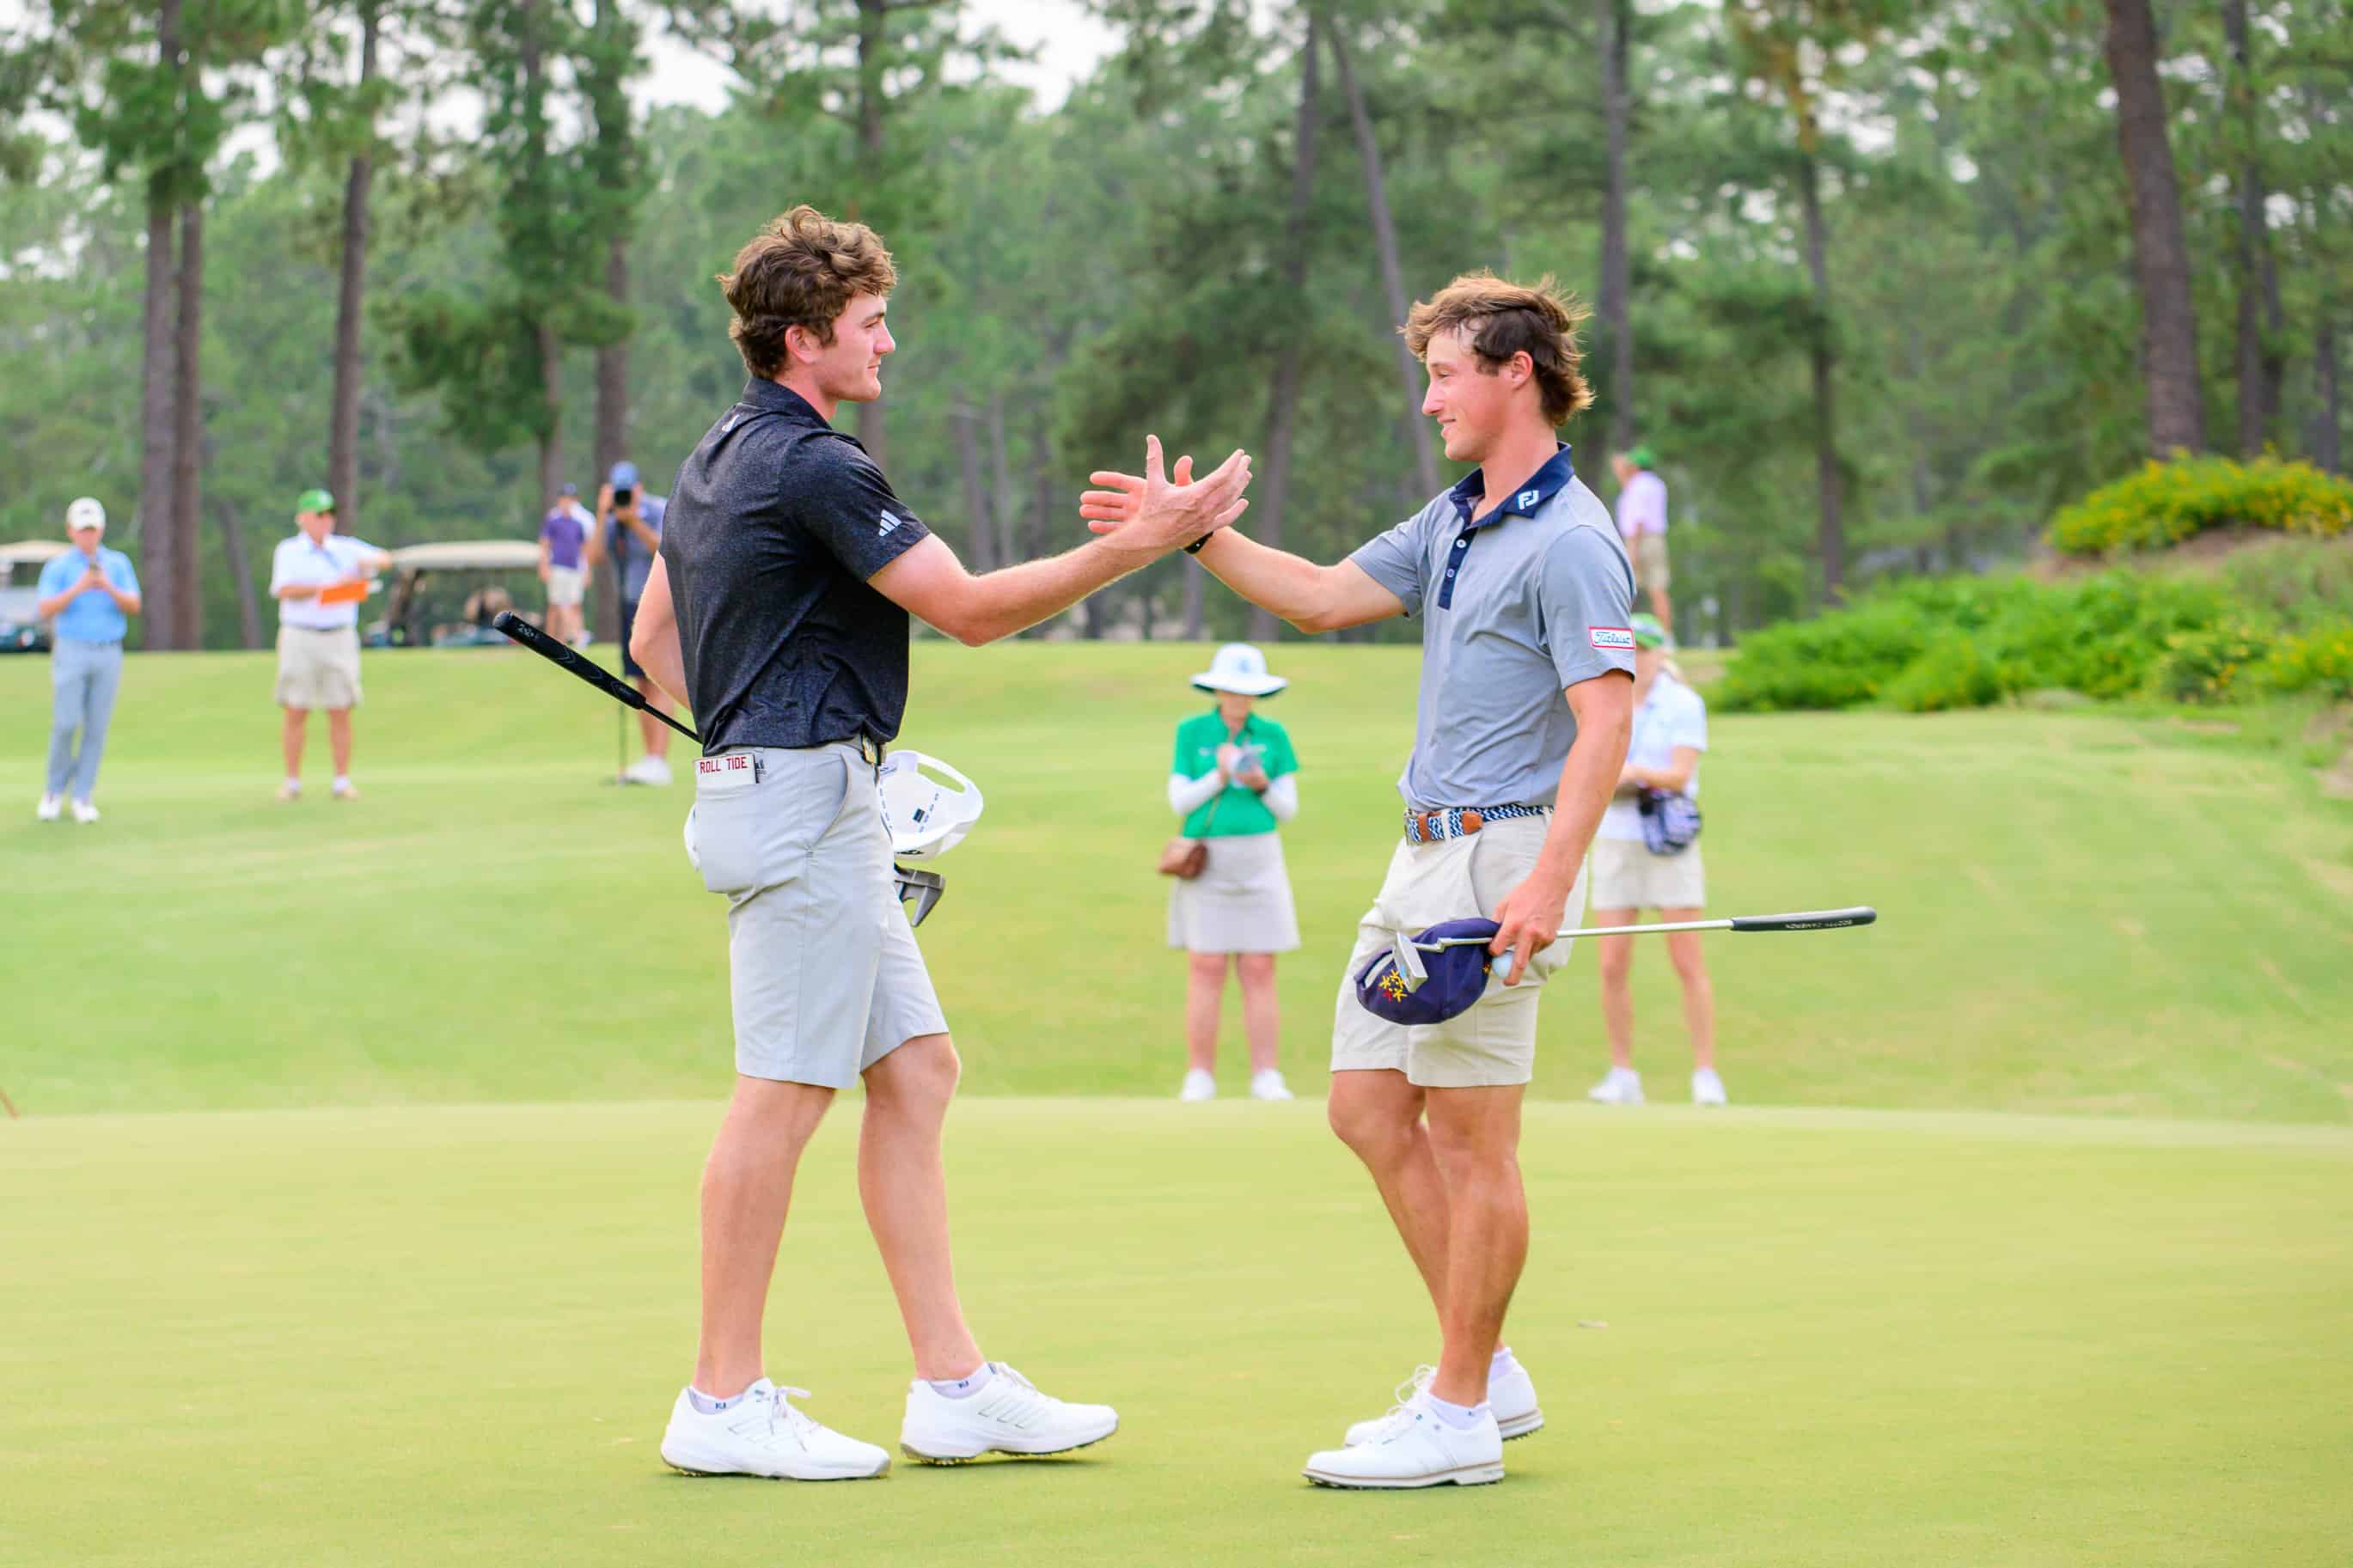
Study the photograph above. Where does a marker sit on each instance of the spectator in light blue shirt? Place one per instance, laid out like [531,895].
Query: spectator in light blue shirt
[92,593]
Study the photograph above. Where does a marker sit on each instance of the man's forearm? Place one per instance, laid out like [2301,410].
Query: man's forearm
[1290,586]
[664,663]
[1588,779]
[1016,598]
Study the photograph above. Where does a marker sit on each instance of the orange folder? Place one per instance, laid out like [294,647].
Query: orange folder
[343,593]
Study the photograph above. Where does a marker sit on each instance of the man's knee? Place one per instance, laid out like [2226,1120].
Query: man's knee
[919,1078]
[1377,1121]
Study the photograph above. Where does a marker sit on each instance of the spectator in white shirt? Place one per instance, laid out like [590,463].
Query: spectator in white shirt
[1643,524]
[319,578]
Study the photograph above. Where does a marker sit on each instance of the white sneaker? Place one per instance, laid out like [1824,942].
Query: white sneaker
[647,769]
[1007,1415]
[1269,1085]
[1707,1089]
[84,812]
[1199,1085]
[1623,1086]
[1411,1447]
[49,807]
[764,1435]
[1512,1397]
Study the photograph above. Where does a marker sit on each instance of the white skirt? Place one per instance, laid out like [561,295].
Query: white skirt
[1240,903]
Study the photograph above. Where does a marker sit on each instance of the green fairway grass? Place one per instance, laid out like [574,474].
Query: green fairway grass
[452,1336]
[2082,913]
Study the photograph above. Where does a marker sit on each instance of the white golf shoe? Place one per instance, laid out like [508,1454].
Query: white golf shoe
[1006,1414]
[1199,1085]
[49,807]
[1707,1089]
[762,1433]
[1512,1395]
[84,812]
[1410,1447]
[1622,1086]
[647,769]
[1269,1085]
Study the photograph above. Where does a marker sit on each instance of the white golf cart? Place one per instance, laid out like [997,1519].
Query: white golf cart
[21,631]
[444,595]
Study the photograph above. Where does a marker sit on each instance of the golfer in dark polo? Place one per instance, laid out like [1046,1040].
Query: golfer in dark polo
[778,611]
[1521,730]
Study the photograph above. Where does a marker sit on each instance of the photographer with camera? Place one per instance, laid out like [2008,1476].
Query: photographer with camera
[629,533]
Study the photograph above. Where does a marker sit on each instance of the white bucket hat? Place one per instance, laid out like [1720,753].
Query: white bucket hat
[1240,668]
[84,511]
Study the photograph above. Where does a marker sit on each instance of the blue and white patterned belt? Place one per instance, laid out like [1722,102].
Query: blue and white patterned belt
[1461,821]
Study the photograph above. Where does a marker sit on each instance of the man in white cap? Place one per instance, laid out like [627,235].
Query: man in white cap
[92,592]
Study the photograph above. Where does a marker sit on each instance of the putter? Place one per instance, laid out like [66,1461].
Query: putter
[1410,968]
[924,887]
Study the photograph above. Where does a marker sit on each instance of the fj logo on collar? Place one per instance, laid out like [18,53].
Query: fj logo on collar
[1527,498]
[889,522]
[1613,639]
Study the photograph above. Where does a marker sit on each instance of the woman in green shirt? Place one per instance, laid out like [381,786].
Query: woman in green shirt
[1234,782]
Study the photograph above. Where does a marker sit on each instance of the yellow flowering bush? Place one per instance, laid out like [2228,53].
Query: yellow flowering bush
[2164,503]
[2319,660]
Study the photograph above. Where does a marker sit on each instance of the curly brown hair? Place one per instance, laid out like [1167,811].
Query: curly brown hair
[801,270]
[1502,318]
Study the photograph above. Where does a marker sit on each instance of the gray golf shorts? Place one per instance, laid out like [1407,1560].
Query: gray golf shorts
[825,975]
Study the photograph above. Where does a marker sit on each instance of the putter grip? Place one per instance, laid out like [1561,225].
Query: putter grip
[554,652]
[1807,919]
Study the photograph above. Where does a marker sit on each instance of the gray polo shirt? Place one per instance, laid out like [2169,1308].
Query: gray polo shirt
[1516,606]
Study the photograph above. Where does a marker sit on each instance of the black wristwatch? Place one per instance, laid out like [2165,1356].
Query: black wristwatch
[1194,548]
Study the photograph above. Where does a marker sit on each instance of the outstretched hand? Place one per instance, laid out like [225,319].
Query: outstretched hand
[1159,513]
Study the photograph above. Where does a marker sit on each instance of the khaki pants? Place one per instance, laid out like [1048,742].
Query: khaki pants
[318,668]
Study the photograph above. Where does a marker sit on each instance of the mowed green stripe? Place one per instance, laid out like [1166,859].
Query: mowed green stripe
[2082,913]
[394,1336]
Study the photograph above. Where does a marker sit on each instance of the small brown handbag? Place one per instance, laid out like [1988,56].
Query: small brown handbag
[1184,858]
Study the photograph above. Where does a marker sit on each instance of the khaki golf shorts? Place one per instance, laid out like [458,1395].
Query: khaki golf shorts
[565,587]
[318,668]
[1651,561]
[826,976]
[1627,876]
[1456,878]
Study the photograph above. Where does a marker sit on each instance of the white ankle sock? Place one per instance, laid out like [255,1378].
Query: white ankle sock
[1501,1363]
[704,1404]
[962,1387]
[1461,1417]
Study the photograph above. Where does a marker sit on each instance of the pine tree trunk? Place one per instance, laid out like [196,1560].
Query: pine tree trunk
[187,435]
[871,16]
[2261,370]
[161,564]
[2328,446]
[1283,403]
[611,442]
[983,541]
[2176,406]
[1195,606]
[241,571]
[531,51]
[1824,360]
[1616,275]
[1385,245]
[344,415]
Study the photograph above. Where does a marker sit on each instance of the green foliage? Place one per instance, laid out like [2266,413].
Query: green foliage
[2319,660]
[1931,644]
[2164,503]
[2209,664]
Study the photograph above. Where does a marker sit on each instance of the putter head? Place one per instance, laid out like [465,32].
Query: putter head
[924,887]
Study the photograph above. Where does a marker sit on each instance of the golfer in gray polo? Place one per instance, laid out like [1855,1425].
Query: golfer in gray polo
[1523,715]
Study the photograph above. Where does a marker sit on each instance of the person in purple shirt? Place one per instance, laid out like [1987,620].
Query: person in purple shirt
[563,535]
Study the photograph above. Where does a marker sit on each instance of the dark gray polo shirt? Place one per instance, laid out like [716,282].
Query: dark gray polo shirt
[774,527]
[1516,606]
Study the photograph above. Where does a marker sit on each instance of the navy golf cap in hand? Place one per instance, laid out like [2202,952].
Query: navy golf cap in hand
[1431,977]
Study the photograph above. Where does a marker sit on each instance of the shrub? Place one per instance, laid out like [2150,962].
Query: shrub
[1954,672]
[1836,660]
[2318,661]
[2164,503]
[2211,665]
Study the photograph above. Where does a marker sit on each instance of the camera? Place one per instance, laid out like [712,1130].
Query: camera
[621,497]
